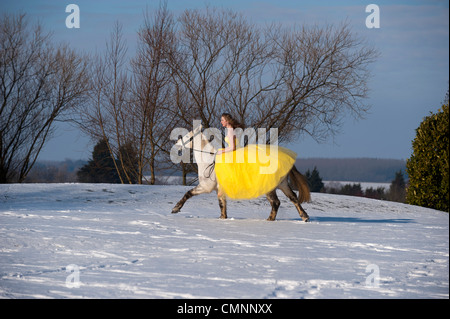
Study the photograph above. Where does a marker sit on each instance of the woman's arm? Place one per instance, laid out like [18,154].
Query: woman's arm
[231,142]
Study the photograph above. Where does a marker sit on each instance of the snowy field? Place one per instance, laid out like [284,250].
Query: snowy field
[120,241]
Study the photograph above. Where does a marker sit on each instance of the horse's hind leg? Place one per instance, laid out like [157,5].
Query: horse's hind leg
[223,206]
[275,203]
[287,190]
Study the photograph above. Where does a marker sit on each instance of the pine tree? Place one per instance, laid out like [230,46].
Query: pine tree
[397,190]
[314,180]
[101,168]
[428,167]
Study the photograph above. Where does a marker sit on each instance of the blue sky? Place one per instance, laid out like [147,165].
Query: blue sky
[409,79]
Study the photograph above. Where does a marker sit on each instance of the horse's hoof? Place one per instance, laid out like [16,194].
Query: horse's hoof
[175,211]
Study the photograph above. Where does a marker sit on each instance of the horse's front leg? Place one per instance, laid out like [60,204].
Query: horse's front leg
[195,191]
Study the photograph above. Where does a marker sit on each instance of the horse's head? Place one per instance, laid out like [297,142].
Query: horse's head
[203,143]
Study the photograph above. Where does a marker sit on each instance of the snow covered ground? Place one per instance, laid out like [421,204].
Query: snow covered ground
[120,241]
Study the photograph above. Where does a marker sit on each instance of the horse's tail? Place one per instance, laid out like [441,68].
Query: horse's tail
[301,182]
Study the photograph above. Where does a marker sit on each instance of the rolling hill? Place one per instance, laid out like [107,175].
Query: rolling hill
[120,241]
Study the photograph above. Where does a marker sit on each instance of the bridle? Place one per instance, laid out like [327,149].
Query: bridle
[210,167]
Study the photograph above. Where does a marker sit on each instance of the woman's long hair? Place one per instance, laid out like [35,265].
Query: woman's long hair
[233,122]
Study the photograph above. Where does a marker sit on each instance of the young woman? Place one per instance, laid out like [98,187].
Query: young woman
[229,124]
[250,171]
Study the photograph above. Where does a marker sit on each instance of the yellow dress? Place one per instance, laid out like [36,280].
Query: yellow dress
[253,170]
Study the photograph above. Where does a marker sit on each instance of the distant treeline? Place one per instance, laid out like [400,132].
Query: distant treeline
[55,171]
[354,169]
[331,169]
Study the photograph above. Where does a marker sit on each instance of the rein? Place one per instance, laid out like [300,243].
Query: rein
[211,169]
[191,139]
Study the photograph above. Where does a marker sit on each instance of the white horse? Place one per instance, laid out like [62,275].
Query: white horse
[204,154]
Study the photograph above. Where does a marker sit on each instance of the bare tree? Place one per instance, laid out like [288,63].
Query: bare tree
[153,90]
[200,64]
[131,102]
[107,116]
[299,80]
[38,84]
[326,70]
